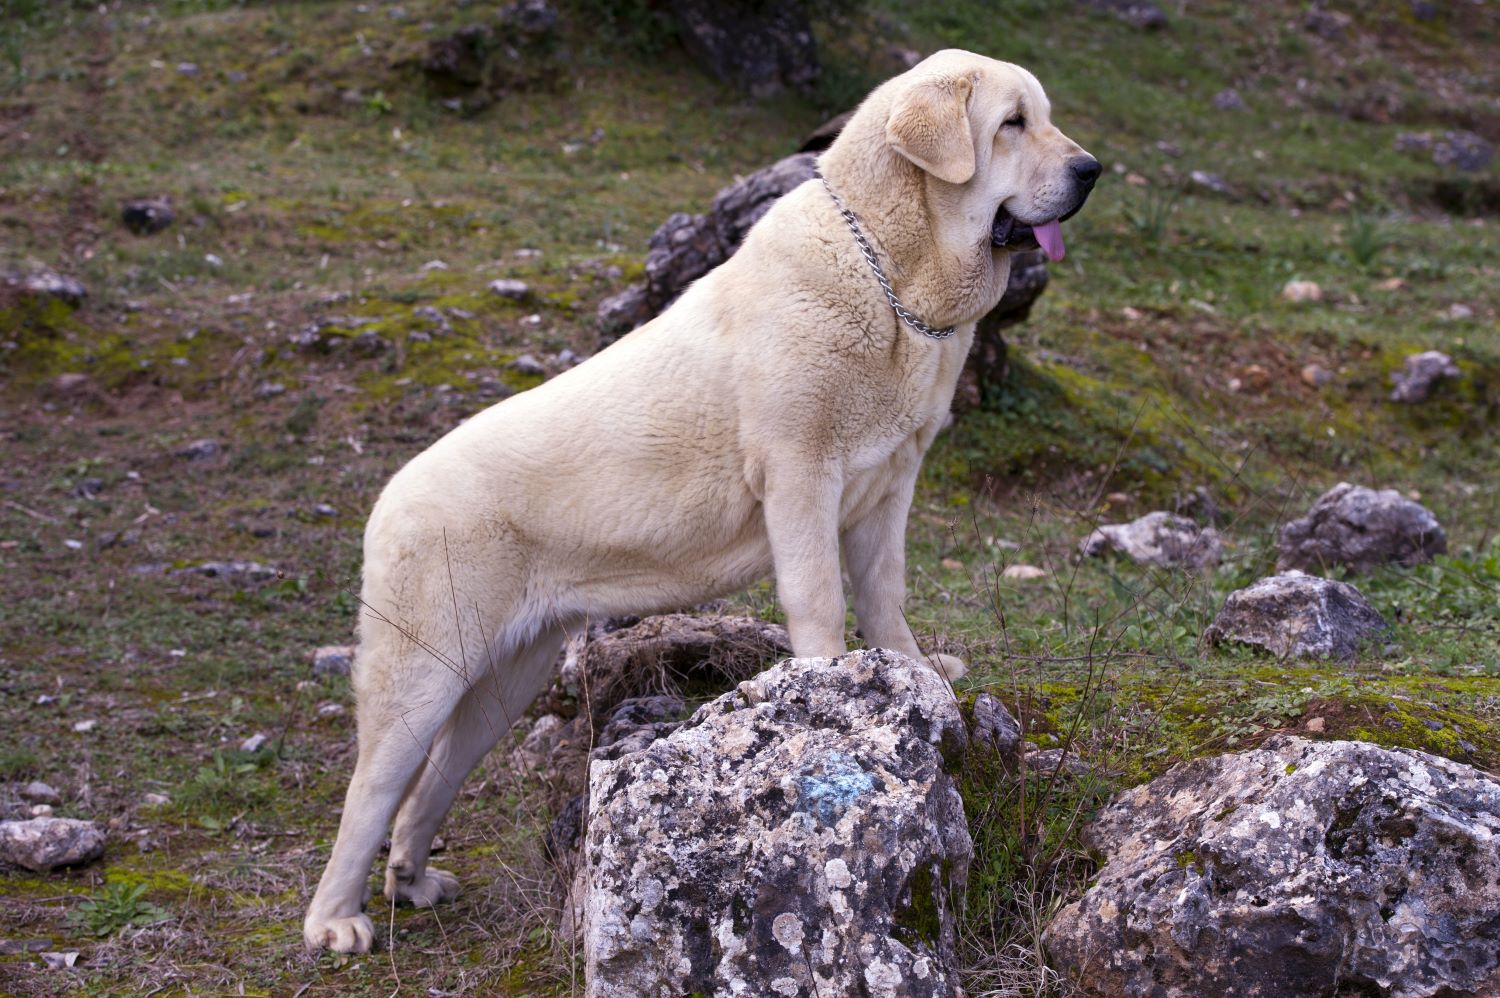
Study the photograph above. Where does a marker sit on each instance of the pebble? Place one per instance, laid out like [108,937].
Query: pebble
[333,659]
[199,450]
[509,288]
[84,727]
[40,793]
[155,799]
[1315,375]
[323,509]
[1023,572]
[254,742]
[330,710]
[269,389]
[1299,291]
[527,364]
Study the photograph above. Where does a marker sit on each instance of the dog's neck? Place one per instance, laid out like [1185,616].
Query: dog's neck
[894,201]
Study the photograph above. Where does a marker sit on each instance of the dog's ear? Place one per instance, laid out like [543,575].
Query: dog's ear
[929,125]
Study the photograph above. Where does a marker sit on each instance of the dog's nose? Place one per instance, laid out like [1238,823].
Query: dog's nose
[1086,169]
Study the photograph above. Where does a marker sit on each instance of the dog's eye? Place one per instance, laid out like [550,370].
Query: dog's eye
[1019,121]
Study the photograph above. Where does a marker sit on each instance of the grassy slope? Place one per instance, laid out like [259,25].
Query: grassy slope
[327,170]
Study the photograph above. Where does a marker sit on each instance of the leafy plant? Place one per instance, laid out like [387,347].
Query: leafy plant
[1365,237]
[117,906]
[1150,215]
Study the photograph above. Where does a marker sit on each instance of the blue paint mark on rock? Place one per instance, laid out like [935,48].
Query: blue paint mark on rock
[826,791]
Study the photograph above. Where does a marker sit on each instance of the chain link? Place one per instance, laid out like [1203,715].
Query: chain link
[885,285]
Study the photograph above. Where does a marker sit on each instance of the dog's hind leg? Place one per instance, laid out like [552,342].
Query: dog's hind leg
[394,739]
[484,715]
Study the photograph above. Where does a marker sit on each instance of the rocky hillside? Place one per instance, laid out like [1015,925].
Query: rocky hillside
[256,255]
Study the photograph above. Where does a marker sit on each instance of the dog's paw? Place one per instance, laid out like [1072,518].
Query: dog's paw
[432,887]
[354,934]
[950,667]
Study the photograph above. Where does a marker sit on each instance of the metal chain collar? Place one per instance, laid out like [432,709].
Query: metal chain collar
[885,285]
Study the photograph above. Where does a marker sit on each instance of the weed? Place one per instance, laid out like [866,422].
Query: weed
[1151,213]
[115,907]
[1366,238]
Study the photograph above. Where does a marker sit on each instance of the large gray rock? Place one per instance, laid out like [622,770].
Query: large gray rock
[1419,374]
[1298,616]
[1300,868]
[760,46]
[1360,529]
[685,247]
[42,844]
[801,836]
[1158,538]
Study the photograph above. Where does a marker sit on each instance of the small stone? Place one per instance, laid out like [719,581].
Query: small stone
[334,660]
[1229,100]
[1315,725]
[1315,375]
[510,288]
[269,389]
[1256,378]
[1360,529]
[528,365]
[200,450]
[1301,291]
[953,564]
[42,844]
[1055,760]
[40,810]
[255,742]
[1023,573]
[70,384]
[328,710]
[994,727]
[147,216]
[155,799]
[84,727]
[1420,373]
[432,265]
[60,961]
[1158,538]
[1457,312]
[324,510]
[1210,181]
[1391,284]
[1299,616]
[40,793]
[48,284]
[1117,499]
[187,68]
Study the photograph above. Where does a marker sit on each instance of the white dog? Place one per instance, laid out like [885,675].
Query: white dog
[770,420]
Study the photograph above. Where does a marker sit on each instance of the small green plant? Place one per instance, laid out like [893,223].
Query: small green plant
[1365,238]
[115,907]
[1150,215]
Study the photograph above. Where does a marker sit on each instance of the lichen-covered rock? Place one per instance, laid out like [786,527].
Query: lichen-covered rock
[1360,529]
[1300,868]
[1158,538]
[1299,616]
[42,844]
[1419,374]
[800,836]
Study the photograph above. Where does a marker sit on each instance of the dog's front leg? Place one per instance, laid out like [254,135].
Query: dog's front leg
[875,551]
[801,506]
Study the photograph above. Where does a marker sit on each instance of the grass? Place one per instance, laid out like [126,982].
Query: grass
[308,157]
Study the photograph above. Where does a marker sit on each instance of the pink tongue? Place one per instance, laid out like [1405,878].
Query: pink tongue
[1050,238]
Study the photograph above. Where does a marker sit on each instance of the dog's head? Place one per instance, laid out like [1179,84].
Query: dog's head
[982,132]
